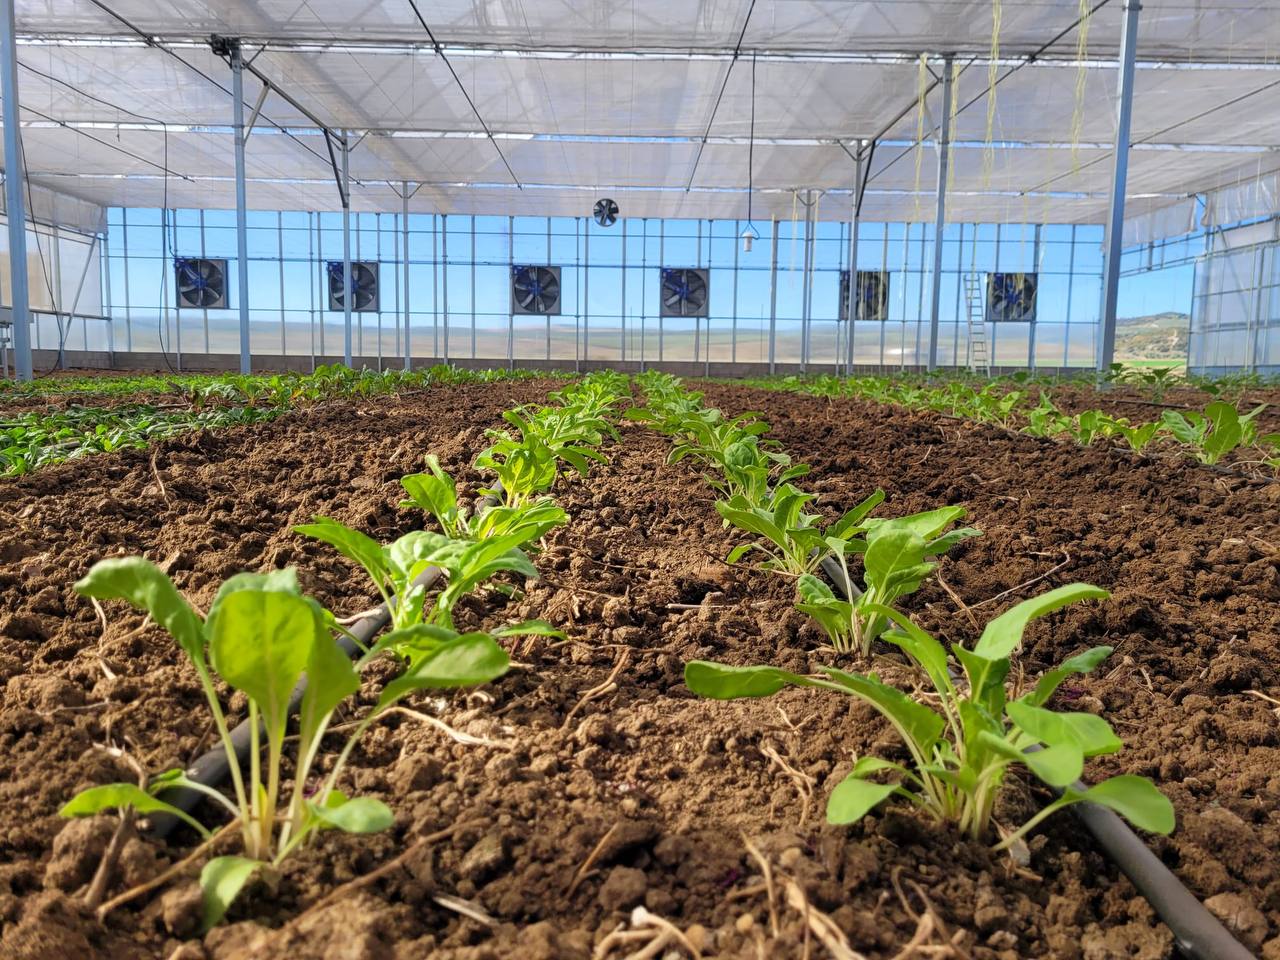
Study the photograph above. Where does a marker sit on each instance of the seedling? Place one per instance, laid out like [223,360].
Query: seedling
[896,560]
[961,752]
[395,570]
[262,636]
[1215,432]
[436,494]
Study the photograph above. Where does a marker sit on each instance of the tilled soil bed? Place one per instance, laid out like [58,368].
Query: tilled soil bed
[602,783]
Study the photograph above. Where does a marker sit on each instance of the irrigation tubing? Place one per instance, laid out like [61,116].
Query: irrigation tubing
[1199,934]
[214,766]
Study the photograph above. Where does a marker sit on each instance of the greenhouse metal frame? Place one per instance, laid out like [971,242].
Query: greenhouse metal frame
[1147,123]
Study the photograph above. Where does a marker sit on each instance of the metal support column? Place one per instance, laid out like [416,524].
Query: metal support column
[940,211]
[404,246]
[662,261]
[242,214]
[511,319]
[733,331]
[855,292]
[585,309]
[1114,235]
[622,356]
[773,295]
[473,286]
[1031,327]
[444,283]
[346,249]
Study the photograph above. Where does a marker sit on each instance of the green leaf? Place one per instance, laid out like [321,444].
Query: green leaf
[535,628]
[813,590]
[468,660]
[221,881]
[260,642]
[853,798]
[1080,663]
[723,682]
[918,725]
[1136,799]
[1003,635]
[113,796]
[361,815]
[852,518]
[331,678]
[351,544]
[143,584]
[1093,733]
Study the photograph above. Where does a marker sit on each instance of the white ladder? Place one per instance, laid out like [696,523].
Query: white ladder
[975,296]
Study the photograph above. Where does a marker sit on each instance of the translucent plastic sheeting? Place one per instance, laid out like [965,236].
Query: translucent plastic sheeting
[587,97]
[1197,28]
[59,209]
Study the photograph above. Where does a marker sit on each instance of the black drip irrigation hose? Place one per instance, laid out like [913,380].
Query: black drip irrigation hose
[213,766]
[1198,933]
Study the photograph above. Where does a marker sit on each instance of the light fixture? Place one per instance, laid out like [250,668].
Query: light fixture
[750,235]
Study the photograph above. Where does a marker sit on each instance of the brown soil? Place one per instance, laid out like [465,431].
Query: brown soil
[671,783]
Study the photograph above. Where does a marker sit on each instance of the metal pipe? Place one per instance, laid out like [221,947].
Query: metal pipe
[404,245]
[940,210]
[855,291]
[346,249]
[15,202]
[242,214]
[444,282]
[1114,235]
[511,319]
[773,295]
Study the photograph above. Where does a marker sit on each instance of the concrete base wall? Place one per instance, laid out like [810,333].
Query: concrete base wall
[275,363]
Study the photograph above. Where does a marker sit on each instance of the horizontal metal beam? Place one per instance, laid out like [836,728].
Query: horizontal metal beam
[459,49]
[411,134]
[594,189]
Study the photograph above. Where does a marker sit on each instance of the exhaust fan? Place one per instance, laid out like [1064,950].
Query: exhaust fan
[685,292]
[364,283]
[606,212]
[201,283]
[535,290]
[872,296]
[1011,297]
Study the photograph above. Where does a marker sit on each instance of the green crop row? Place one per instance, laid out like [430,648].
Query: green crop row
[262,636]
[30,440]
[1209,435]
[963,735]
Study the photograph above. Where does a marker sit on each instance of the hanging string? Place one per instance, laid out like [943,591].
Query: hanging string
[989,150]
[1082,75]
[954,108]
[922,83]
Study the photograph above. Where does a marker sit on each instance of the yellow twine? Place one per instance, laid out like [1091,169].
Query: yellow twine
[989,151]
[1082,75]
[922,83]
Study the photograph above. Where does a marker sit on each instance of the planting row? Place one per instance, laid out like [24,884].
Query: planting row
[33,439]
[280,648]
[1219,431]
[961,737]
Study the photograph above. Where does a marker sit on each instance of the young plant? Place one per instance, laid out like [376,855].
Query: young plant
[262,636]
[790,539]
[396,569]
[436,494]
[1216,432]
[896,559]
[961,752]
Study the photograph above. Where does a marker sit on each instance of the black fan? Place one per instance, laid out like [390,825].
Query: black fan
[1011,297]
[201,283]
[364,283]
[684,292]
[606,212]
[535,290]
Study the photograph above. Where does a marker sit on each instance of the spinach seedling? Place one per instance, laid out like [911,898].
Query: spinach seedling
[262,636]
[896,558]
[395,569]
[436,494]
[961,752]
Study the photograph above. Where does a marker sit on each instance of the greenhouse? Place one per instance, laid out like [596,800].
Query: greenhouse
[640,481]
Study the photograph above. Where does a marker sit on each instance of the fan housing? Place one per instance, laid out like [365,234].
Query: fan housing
[364,282]
[872,296]
[606,212]
[535,290]
[201,283]
[686,292]
[1011,297]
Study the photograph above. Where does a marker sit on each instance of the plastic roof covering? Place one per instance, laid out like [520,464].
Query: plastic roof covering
[588,97]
